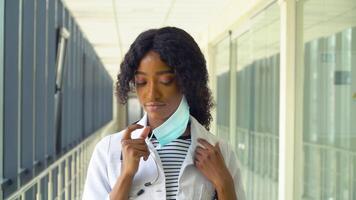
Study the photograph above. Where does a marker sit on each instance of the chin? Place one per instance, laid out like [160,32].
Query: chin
[157,116]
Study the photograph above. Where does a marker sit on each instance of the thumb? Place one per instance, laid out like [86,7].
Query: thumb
[145,132]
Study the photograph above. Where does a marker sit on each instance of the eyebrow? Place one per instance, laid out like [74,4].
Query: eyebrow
[170,71]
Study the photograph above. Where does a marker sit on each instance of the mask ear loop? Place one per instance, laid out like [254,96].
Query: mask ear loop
[157,170]
[141,191]
[157,177]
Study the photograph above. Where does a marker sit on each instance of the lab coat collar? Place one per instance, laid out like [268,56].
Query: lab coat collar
[143,120]
[196,131]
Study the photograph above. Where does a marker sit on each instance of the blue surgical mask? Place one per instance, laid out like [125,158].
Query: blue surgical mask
[174,126]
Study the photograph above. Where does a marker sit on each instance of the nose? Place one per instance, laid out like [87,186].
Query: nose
[153,91]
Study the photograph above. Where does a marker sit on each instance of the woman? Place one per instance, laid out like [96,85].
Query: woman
[169,153]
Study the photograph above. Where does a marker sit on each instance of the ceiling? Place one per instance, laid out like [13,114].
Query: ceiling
[112,25]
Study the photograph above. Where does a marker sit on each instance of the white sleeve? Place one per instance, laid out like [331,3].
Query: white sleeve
[233,165]
[97,183]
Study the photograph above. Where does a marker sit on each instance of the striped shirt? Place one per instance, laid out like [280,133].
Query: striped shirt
[172,156]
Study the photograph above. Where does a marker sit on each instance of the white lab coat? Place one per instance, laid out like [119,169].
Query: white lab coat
[105,164]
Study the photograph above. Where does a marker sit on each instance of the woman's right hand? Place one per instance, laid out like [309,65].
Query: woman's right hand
[133,150]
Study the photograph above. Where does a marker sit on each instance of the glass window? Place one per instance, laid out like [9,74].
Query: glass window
[257,104]
[328,55]
[222,65]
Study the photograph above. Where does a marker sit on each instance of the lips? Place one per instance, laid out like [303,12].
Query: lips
[154,106]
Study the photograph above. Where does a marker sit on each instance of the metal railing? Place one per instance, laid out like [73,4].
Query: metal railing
[258,155]
[67,174]
[331,164]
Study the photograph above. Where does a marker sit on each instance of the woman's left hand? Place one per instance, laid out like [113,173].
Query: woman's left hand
[210,162]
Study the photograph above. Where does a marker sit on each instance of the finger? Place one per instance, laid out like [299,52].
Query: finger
[144,155]
[136,153]
[205,143]
[145,132]
[133,142]
[128,147]
[200,150]
[198,163]
[129,130]
[140,147]
[200,153]
[198,157]
[217,147]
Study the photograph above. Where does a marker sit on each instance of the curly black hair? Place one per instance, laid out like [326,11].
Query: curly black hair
[180,52]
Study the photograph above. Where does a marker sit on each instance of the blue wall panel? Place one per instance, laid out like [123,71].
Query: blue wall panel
[40,85]
[51,46]
[59,22]
[28,89]
[65,96]
[31,41]
[11,97]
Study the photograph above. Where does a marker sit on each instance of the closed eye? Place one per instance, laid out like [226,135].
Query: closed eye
[166,81]
[140,82]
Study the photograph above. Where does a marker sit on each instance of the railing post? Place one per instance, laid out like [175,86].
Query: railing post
[50,186]
[59,182]
[84,162]
[352,175]
[81,168]
[38,191]
[66,176]
[23,196]
[72,178]
[77,177]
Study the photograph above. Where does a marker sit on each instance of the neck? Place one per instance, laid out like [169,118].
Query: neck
[154,123]
[187,130]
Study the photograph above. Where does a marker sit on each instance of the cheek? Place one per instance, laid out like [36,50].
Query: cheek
[139,96]
[174,100]
[174,97]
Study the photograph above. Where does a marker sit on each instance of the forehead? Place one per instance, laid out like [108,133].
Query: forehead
[151,63]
